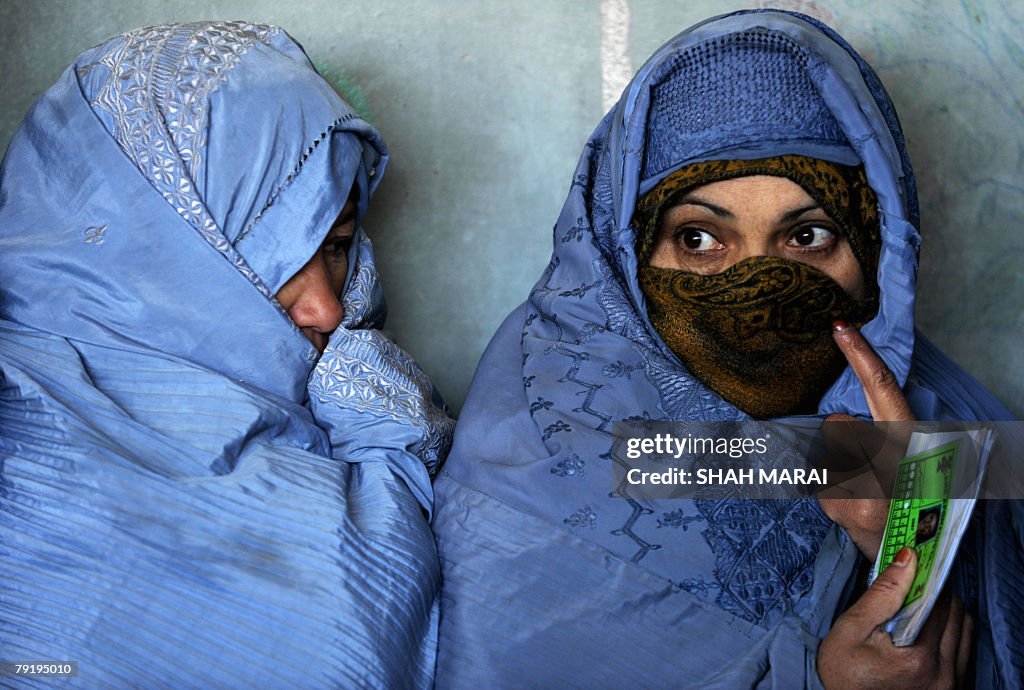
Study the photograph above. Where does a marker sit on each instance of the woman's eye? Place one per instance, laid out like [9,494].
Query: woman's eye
[337,248]
[811,237]
[698,240]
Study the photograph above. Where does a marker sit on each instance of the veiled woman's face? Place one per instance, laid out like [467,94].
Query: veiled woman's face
[312,296]
[715,225]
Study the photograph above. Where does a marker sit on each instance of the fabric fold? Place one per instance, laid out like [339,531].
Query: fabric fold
[527,492]
[174,510]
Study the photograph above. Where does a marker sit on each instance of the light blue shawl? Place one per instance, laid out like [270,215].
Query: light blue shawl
[551,578]
[176,508]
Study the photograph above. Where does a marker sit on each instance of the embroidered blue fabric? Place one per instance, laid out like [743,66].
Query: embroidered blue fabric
[551,579]
[190,495]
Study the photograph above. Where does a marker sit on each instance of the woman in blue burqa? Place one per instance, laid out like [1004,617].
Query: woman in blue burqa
[206,480]
[739,241]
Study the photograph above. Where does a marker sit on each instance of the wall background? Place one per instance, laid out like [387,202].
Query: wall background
[486,107]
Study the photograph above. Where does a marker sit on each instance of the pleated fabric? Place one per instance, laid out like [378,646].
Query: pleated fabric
[190,495]
[556,577]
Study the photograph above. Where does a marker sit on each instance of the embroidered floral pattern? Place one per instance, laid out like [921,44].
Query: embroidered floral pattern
[677,518]
[95,235]
[540,404]
[555,428]
[572,467]
[620,368]
[584,517]
[363,299]
[765,551]
[576,231]
[366,372]
[158,93]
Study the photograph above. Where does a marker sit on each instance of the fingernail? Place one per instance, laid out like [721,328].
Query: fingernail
[903,557]
[840,326]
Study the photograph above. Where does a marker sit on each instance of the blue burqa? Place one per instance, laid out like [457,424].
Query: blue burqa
[190,496]
[553,579]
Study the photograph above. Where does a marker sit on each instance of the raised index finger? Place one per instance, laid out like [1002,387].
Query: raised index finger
[885,399]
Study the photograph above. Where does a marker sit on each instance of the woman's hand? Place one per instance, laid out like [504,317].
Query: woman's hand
[864,518]
[857,653]
[885,398]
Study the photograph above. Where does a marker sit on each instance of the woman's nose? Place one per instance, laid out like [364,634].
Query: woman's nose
[757,246]
[316,309]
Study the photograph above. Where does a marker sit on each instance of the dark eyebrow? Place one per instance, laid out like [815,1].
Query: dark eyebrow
[717,210]
[725,213]
[797,212]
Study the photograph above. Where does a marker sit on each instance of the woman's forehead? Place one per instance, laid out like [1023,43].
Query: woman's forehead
[750,190]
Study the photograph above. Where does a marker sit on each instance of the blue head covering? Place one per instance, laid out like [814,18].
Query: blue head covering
[167,492]
[741,96]
[710,593]
[160,195]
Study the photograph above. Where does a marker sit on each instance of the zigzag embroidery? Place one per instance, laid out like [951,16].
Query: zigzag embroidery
[591,389]
[627,530]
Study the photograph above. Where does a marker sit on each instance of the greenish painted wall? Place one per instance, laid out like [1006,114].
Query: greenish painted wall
[486,106]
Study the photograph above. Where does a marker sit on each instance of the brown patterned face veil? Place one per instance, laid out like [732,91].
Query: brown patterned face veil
[759,332]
